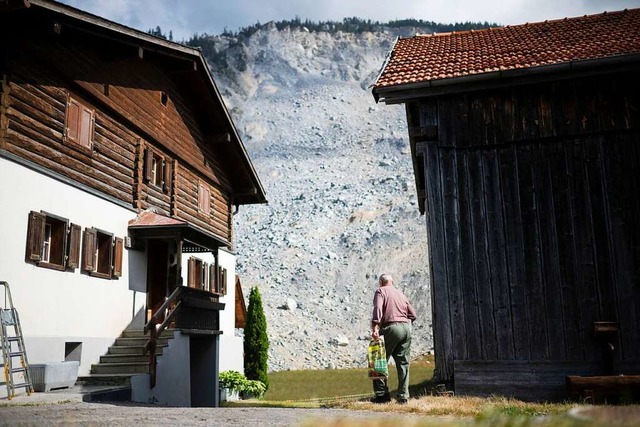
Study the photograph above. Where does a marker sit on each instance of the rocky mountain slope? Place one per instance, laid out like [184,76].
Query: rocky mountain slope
[337,171]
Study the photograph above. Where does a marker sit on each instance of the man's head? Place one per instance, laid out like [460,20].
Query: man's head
[385,279]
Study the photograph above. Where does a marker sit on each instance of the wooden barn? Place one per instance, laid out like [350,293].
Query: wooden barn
[121,172]
[525,143]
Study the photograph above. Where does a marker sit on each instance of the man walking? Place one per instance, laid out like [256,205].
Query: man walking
[392,318]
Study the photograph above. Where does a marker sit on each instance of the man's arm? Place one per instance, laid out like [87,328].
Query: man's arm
[411,313]
[376,318]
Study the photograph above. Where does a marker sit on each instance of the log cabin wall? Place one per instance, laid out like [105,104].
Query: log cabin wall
[138,106]
[218,220]
[532,215]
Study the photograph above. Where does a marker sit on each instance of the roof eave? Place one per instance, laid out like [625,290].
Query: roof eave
[409,91]
[105,24]
[260,196]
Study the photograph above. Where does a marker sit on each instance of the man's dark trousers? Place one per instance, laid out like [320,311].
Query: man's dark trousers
[397,344]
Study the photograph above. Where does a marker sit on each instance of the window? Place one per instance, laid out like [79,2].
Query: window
[102,254]
[157,170]
[198,274]
[79,123]
[204,198]
[201,275]
[52,242]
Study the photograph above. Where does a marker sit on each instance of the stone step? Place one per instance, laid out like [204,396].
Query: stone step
[137,333]
[134,350]
[120,368]
[139,341]
[105,380]
[125,358]
[123,380]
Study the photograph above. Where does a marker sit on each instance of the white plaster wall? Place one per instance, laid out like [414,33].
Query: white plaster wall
[57,307]
[173,380]
[231,347]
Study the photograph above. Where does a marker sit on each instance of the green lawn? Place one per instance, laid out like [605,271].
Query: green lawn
[316,384]
[350,389]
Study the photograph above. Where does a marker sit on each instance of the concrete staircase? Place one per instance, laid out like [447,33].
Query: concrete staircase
[126,356]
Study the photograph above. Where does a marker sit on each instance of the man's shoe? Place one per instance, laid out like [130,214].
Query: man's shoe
[402,401]
[381,399]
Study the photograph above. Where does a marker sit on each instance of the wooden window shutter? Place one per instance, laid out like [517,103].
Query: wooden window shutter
[35,235]
[73,120]
[148,164]
[89,243]
[200,196]
[85,128]
[118,250]
[207,200]
[219,280]
[166,185]
[224,281]
[212,278]
[73,248]
[191,273]
[205,276]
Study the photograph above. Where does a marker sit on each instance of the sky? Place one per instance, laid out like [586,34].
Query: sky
[187,17]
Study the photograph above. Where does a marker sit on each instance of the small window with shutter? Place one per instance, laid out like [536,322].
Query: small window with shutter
[204,198]
[52,242]
[102,254]
[157,170]
[79,123]
[197,276]
[221,286]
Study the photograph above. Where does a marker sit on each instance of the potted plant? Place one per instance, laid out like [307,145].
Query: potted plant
[231,383]
[253,389]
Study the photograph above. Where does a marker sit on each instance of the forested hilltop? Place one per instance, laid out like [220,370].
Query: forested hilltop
[347,25]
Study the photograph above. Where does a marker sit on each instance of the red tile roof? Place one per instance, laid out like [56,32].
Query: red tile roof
[426,58]
[148,218]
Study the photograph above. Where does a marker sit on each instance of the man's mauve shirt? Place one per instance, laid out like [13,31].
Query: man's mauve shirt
[390,305]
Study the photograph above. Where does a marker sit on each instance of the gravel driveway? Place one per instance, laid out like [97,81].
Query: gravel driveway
[128,414]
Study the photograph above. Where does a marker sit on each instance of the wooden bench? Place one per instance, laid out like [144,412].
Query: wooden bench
[605,389]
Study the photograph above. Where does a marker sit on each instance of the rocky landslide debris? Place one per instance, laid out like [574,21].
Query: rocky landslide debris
[342,207]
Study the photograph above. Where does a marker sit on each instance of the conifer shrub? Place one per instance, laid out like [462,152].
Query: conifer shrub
[256,341]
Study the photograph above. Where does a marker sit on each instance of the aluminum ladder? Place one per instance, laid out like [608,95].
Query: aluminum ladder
[13,349]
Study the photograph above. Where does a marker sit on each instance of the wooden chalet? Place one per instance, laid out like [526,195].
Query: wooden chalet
[525,143]
[121,170]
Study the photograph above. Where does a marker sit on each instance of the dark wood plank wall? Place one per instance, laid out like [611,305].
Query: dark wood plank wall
[532,205]
[36,94]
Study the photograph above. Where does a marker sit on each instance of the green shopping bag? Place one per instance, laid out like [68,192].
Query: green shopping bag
[377,358]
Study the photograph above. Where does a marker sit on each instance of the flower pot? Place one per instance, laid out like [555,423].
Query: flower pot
[229,395]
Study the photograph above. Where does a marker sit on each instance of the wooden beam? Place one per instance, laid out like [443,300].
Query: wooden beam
[223,138]
[249,191]
[8,5]
[426,131]
[183,67]
[4,106]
